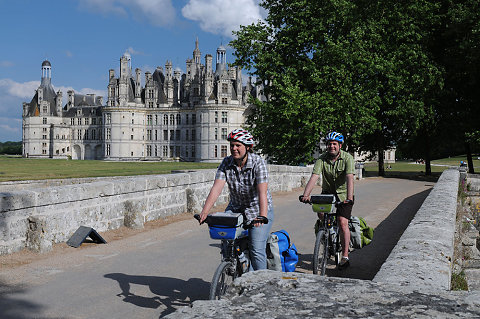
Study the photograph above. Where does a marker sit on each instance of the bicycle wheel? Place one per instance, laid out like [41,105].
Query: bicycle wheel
[338,249]
[222,279]
[320,253]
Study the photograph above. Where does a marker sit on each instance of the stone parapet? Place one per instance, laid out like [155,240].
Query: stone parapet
[424,253]
[271,294]
[40,213]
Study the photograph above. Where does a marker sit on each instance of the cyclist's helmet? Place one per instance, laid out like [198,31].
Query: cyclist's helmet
[241,136]
[334,136]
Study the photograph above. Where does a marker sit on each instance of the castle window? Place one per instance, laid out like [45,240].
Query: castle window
[193,151]
[149,135]
[216,117]
[224,117]
[165,119]
[93,134]
[131,137]
[72,121]
[216,151]
[187,137]
[186,119]
[149,119]
[94,121]
[224,133]
[165,135]
[150,105]
[108,118]
[177,133]
[149,150]
[156,137]
[224,151]
[156,151]
[86,134]
[108,134]
[194,118]
[79,121]
[172,119]
[79,134]
[44,120]
[107,149]
[224,88]
[194,137]
[45,110]
[179,119]
[216,134]
[172,135]
[165,151]
[156,119]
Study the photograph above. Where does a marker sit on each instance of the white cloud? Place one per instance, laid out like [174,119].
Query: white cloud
[22,90]
[156,12]
[222,16]
[132,51]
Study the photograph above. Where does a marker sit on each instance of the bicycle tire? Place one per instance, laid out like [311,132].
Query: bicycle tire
[320,253]
[221,280]
[338,249]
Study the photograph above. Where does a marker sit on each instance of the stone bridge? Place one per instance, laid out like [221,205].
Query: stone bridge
[414,282]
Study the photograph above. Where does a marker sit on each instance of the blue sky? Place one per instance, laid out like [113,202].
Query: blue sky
[83,39]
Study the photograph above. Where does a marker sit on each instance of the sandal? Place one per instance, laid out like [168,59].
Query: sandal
[344,263]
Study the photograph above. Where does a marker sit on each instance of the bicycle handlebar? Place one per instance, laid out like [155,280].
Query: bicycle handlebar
[246,224]
[317,199]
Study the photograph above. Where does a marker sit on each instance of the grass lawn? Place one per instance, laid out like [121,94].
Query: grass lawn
[409,169]
[14,168]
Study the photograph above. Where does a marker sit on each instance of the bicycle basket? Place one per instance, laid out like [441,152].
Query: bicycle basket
[323,203]
[226,226]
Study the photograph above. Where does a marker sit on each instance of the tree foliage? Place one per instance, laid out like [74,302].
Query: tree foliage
[358,67]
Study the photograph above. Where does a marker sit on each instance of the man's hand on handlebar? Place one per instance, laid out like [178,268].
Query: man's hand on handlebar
[304,199]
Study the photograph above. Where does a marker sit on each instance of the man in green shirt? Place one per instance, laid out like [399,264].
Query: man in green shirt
[337,168]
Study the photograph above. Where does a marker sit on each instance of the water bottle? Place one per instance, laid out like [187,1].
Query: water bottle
[244,261]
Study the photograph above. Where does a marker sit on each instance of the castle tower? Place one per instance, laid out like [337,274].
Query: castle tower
[46,73]
[221,60]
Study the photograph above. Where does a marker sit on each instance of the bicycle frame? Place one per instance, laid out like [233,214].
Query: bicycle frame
[327,241]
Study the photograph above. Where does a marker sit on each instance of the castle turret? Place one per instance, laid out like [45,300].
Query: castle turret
[46,73]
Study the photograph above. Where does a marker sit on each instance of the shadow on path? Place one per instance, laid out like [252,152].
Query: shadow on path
[12,307]
[366,262]
[170,292]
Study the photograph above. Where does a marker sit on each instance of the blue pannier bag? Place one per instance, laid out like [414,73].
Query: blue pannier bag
[282,254]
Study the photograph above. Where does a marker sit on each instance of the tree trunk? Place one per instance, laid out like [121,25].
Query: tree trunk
[381,163]
[428,166]
[471,169]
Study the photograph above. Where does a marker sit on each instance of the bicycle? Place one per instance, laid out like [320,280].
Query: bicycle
[327,242]
[232,230]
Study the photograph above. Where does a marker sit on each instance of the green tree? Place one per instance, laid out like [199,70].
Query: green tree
[358,67]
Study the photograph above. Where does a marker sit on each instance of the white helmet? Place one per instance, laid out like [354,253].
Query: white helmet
[241,136]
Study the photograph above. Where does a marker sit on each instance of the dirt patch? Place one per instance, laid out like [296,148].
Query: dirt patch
[26,256]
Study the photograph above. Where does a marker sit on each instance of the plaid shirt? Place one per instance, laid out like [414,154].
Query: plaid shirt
[242,184]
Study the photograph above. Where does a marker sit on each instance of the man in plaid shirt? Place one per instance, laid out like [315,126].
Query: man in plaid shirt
[247,177]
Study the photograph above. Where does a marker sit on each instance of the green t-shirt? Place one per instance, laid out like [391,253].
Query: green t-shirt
[334,174]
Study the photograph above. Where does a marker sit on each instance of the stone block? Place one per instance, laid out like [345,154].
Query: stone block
[37,234]
[133,217]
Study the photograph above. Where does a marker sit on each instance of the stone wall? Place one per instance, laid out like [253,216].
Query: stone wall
[413,282]
[37,214]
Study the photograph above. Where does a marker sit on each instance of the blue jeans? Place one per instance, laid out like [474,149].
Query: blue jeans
[258,243]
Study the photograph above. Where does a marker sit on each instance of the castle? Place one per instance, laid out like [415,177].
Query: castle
[174,116]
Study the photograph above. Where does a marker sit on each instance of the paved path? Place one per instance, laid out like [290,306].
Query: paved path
[154,272]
